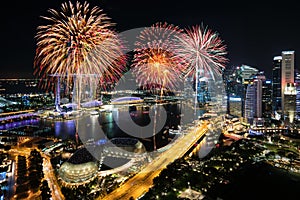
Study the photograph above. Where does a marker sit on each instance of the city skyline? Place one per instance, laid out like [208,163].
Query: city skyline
[254,33]
[207,97]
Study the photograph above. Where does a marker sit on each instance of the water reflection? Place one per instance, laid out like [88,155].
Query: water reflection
[104,124]
[205,148]
[208,142]
[18,124]
[64,129]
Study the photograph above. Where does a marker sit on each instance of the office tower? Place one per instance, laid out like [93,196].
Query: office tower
[283,82]
[203,93]
[267,101]
[235,106]
[253,101]
[297,82]
[237,80]
[250,104]
[229,83]
[287,74]
[247,72]
[276,84]
[289,103]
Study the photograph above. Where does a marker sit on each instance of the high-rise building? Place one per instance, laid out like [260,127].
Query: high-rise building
[289,103]
[235,106]
[237,80]
[283,82]
[287,73]
[250,104]
[247,72]
[276,84]
[234,90]
[203,93]
[267,101]
[253,101]
[297,82]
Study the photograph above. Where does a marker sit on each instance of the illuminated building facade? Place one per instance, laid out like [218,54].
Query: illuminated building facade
[250,104]
[237,80]
[253,101]
[297,82]
[235,106]
[203,93]
[287,74]
[283,86]
[267,101]
[276,84]
[290,103]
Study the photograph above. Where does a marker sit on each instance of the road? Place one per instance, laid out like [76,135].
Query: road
[51,178]
[140,183]
[11,179]
[16,112]
[48,173]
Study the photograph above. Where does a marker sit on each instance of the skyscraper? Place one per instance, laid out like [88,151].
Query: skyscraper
[237,80]
[267,101]
[253,101]
[287,72]
[289,103]
[283,82]
[203,93]
[297,82]
[276,84]
[250,103]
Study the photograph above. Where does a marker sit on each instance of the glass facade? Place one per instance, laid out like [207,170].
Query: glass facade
[276,84]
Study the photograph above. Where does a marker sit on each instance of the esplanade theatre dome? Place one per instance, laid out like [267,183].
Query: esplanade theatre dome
[81,167]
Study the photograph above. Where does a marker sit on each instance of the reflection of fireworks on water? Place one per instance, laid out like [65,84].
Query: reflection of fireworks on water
[154,63]
[78,41]
[203,51]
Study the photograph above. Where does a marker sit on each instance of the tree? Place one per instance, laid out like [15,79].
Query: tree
[45,191]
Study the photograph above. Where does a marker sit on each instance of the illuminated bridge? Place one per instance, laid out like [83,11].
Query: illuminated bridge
[16,115]
[126,100]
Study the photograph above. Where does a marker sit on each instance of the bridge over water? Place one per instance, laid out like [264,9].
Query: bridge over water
[16,115]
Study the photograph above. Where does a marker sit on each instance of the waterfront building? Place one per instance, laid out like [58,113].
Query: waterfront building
[81,168]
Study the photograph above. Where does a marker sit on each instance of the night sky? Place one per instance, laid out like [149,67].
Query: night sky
[253,32]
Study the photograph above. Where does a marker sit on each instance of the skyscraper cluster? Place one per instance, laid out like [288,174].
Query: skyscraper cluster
[259,100]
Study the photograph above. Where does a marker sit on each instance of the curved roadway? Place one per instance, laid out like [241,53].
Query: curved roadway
[140,183]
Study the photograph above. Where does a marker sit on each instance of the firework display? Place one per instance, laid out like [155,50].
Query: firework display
[154,63]
[203,51]
[78,40]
